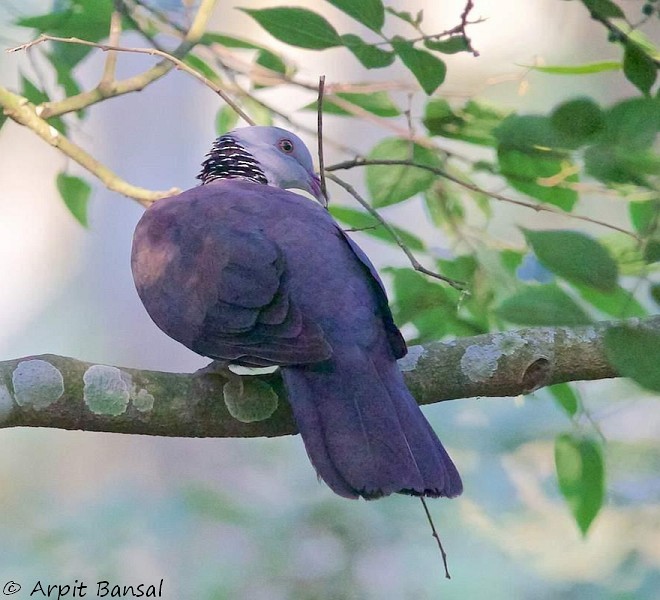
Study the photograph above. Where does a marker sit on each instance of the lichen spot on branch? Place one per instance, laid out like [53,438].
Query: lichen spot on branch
[107,390]
[410,360]
[37,384]
[143,401]
[479,363]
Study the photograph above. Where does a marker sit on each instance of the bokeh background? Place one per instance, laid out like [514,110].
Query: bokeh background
[247,518]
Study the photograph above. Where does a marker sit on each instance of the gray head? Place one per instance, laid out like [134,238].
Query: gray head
[267,155]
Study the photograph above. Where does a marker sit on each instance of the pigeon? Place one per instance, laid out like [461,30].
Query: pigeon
[243,271]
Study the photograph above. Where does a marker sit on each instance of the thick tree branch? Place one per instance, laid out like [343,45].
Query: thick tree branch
[54,391]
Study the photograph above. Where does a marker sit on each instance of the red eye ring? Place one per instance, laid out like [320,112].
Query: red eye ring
[286,145]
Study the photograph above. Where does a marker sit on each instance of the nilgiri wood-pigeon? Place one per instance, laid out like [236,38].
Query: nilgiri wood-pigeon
[243,271]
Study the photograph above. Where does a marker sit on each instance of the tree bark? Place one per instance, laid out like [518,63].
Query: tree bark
[65,393]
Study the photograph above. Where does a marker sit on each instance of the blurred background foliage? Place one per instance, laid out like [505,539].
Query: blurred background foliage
[558,111]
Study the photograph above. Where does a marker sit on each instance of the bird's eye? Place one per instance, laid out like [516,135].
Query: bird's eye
[286,146]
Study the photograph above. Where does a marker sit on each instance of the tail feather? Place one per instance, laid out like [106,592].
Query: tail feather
[364,432]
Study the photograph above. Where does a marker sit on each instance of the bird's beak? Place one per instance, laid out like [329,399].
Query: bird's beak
[316,191]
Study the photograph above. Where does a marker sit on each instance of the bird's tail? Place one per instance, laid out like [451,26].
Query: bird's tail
[363,431]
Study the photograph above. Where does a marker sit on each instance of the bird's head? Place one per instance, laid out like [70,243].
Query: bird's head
[268,155]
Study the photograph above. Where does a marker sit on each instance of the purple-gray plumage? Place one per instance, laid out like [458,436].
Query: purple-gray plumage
[247,272]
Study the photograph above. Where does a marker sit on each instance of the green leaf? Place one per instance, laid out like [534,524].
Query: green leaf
[652,251]
[527,172]
[566,397]
[452,45]
[655,293]
[615,164]
[604,8]
[575,257]
[532,134]
[404,15]
[444,205]
[259,113]
[627,252]
[639,68]
[377,103]
[225,120]
[297,27]
[439,116]
[624,152]
[633,124]
[272,61]
[86,19]
[578,120]
[249,399]
[634,352]
[643,214]
[3,118]
[429,70]
[364,222]
[420,301]
[584,69]
[371,57]
[542,305]
[619,303]
[201,67]
[389,184]
[581,476]
[64,76]
[75,192]
[532,156]
[229,41]
[473,123]
[368,12]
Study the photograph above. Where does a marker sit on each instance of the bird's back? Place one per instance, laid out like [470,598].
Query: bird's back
[190,238]
[257,275]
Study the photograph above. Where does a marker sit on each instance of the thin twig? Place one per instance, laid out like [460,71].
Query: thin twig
[434,533]
[149,51]
[137,82]
[623,36]
[108,78]
[319,121]
[459,285]
[469,5]
[20,110]
[363,162]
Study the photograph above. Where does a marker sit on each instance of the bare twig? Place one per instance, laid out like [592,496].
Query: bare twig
[460,29]
[363,162]
[434,533]
[108,78]
[23,112]
[459,285]
[137,82]
[151,52]
[469,5]
[622,36]
[319,122]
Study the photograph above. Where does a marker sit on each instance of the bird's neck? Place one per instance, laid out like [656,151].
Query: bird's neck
[229,160]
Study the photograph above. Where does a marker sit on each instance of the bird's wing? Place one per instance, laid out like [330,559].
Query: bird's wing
[394,337]
[219,289]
